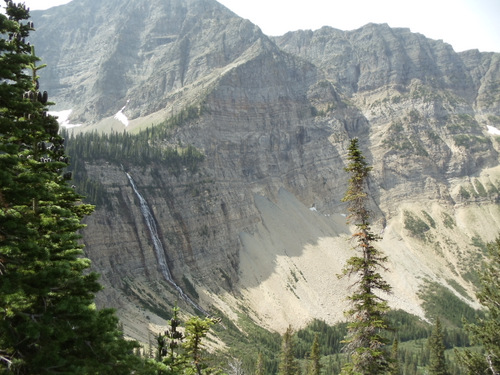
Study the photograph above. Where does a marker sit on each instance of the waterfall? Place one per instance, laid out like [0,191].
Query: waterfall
[158,246]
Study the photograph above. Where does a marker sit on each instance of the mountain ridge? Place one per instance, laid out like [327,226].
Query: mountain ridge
[273,117]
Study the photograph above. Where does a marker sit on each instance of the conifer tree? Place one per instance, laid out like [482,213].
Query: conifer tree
[182,352]
[259,367]
[394,365]
[196,330]
[437,360]
[288,364]
[486,332]
[367,316]
[314,358]
[48,319]
[169,348]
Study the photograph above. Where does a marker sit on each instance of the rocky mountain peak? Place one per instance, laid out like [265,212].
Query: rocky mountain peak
[237,142]
[99,58]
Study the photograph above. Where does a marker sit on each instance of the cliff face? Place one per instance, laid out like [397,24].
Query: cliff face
[259,224]
[100,57]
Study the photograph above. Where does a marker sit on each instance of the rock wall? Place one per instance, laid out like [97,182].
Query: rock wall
[259,224]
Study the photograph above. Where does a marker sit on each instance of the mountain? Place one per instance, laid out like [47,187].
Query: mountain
[237,144]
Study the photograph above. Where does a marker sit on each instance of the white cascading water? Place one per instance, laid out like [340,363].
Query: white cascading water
[158,246]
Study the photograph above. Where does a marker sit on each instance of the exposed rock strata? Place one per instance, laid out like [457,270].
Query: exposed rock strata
[277,116]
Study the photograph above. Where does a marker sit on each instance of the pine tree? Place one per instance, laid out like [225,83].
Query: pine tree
[394,364]
[169,346]
[259,367]
[196,330]
[48,319]
[182,353]
[486,332]
[437,360]
[288,364]
[367,316]
[314,358]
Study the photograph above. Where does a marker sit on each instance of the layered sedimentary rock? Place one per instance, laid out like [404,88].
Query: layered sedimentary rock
[260,222]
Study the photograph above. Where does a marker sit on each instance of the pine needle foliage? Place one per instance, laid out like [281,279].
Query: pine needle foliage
[314,367]
[288,363]
[437,360]
[367,316]
[181,352]
[486,332]
[48,320]
[259,367]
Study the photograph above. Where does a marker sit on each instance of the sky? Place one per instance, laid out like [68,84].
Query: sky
[465,24]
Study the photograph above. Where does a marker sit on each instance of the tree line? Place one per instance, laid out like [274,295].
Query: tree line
[139,149]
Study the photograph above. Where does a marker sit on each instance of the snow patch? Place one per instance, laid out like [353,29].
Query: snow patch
[120,116]
[493,130]
[63,118]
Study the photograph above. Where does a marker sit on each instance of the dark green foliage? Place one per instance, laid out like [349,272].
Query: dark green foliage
[329,338]
[481,190]
[288,363]
[407,327]
[183,353]
[259,367]
[437,361]
[414,116]
[429,219]
[439,301]
[416,226]
[189,288]
[125,149]
[168,346]
[394,365]
[314,367]
[48,320]
[464,192]
[486,332]
[479,243]
[448,221]
[367,316]
[196,330]
[139,149]
[472,141]
[248,341]
[411,332]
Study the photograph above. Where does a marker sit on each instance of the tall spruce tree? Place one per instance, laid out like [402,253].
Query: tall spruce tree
[288,364]
[437,360]
[196,330]
[394,365]
[367,316]
[259,366]
[314,358]
[486,332]
[48,320]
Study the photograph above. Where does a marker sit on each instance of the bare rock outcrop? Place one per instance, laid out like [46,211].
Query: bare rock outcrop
[261,215]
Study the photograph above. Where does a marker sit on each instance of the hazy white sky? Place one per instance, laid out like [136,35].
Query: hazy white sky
[465,24]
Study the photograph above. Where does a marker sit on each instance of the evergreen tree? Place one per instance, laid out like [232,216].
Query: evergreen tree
[182,353]
[394,365]
[259,367]
[196,330]
[288,364]
[168,350]
[437,360]
[364,342]
[486,332]
[48,320]
[314,358]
